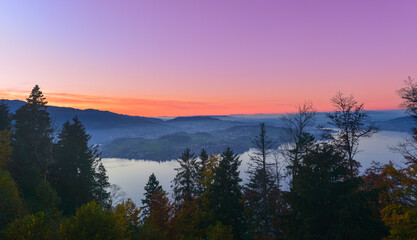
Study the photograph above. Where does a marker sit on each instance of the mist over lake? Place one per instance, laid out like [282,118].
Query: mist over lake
[131,175]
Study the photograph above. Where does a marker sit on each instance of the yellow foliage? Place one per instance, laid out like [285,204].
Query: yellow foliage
[400,201]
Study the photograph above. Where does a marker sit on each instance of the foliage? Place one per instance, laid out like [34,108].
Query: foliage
[35,226]
[325,202]
[151,187]
[32,143]
[225,194]
[78,174]
[400,201]
[92,222]
[11,205]
[131,215]
[219,232]
[185,182]
[6,150]
[5,121]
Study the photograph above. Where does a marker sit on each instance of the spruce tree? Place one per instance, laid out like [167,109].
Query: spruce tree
[225,194]
[32,143]
[78,175]
[185,182]
[151,187]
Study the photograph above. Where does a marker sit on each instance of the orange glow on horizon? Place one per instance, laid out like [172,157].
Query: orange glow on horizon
[162,108]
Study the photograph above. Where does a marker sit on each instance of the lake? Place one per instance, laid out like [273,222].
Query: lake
[132,175]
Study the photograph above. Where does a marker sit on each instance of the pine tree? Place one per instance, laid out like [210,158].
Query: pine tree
[185,182]
[225,194]
[78,175]
[151,187]
[32,143]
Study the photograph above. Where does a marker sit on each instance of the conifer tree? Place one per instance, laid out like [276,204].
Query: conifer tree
[259,189]
[151,187]
[185,182]
[5,120]
[225,194]
[326,201]
[202,163]
[32,143]
[78,175]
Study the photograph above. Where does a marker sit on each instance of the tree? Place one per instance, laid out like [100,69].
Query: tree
[297,125]
[131,215]
[400,201]
[34,226]
[6,150]
[78,175]
[11,205]
[226,194]
[200,169]
[92,222]
[5,120]
[160,213]
[351,123]
[326,202]
[261,184]
[185,182]
[32,143]
[151,187]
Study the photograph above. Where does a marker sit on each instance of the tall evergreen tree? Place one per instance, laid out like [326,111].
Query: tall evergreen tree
[326,202]
[78,175]
[32,144]
[185,182]
[261,185]
[225,194]
[151,187]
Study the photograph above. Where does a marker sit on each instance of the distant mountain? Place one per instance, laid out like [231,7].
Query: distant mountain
[401,124]
[168,147]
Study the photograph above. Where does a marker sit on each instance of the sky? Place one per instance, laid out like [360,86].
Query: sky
[177,58]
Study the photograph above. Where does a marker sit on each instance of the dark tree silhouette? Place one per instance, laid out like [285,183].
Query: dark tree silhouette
[151,187]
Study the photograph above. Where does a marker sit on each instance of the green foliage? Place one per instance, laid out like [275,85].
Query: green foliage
[78,174]
[92,222]
[35,226]
[131,215]
[219,232]
[46,198]
[11,205]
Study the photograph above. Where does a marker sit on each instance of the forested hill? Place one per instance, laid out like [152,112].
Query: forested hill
[137,137]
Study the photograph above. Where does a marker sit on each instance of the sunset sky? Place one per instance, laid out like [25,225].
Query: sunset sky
[171,58]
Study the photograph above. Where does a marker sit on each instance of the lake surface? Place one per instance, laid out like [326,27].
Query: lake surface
[132,175]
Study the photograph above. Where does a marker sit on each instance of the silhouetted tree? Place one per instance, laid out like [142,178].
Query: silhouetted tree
[32,143]
[326,202]
[5,120]
[200,169]
[351,124]
[185,182]
[225,194]
[78,175]
[258,190]
[151,187]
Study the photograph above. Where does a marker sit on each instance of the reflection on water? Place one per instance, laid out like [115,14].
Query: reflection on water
[132,175]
